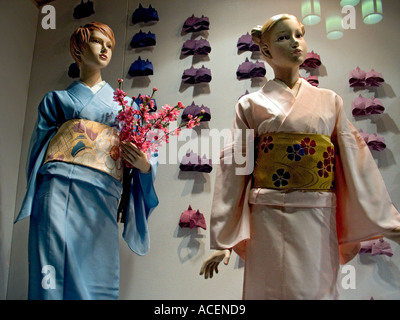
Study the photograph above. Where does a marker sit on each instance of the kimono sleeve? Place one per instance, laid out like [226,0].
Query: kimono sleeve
[230,214]
[364,207]
[142,201]
[44,130]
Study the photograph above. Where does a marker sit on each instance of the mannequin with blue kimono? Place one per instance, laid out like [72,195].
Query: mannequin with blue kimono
[72,197]
[293,239]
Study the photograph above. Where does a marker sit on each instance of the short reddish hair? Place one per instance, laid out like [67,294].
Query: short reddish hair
[80,38]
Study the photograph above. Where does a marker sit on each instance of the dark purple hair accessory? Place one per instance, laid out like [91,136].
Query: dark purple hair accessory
[193,75]
[144,14]
[83,10]
[143,39]
[196,111]
[205,165]
[189,161]
[73,70]
[192,162]
[141,68]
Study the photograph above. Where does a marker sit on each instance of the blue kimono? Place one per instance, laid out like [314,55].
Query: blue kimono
[73,235]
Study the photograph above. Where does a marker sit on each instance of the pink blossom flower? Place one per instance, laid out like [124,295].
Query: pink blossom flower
[145,129]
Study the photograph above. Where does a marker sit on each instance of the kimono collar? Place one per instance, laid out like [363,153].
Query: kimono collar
[80,90]
[294,90]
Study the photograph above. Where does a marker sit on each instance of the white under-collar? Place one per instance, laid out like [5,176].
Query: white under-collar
[96,87]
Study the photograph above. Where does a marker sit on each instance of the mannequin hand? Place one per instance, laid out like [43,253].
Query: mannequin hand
[134,156]
[211,263]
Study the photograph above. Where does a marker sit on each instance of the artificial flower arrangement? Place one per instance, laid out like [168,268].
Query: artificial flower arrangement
[145,128]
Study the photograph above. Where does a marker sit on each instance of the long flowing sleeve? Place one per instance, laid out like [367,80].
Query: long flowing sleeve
[142,201]
[44,130]
[364,207]
[230,215]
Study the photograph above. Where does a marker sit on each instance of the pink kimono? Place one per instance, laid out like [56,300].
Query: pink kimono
[293,241]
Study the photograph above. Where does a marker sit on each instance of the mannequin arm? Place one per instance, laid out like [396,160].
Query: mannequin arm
[211,263]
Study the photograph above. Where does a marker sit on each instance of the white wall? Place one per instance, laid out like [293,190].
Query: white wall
[17,41]
[170,270]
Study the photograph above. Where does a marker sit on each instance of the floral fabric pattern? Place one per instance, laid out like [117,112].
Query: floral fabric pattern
[294,161]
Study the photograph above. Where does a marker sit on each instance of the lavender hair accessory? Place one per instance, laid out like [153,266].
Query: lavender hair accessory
[203,75]
[245,43]
[376,247]
[196,47]
[381,247]
[194,24]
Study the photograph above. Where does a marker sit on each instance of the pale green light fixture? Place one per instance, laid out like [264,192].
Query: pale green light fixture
[372,11]
[349,2]
[334,28]
[311,12]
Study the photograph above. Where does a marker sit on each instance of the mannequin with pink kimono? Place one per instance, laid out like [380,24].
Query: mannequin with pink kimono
[302,211]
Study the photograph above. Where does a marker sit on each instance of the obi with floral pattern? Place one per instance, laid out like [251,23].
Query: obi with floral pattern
[87,143]
[294,161]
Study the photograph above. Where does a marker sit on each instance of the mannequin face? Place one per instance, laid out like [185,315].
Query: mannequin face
[286,45]
[98,52]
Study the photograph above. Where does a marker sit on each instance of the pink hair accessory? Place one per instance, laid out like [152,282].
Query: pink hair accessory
[373,79]
[357,78]
[192,219]
[313,61]
[373,141]
[313,80]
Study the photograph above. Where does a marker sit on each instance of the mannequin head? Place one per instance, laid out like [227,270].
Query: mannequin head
[81,37]
[281,40]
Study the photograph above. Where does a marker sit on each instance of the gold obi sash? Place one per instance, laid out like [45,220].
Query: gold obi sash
[294,161]
[87,143]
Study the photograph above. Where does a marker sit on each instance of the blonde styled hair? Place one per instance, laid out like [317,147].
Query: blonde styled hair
[260,34]
[80,38]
